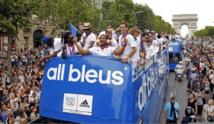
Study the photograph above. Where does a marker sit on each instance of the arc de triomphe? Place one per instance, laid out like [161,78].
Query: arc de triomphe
[185,19]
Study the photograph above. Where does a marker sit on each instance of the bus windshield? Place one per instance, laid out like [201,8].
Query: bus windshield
[174,58]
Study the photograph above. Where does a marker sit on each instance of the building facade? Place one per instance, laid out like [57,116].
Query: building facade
[32,37]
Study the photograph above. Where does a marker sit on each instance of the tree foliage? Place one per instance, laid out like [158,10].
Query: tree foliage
[112,13]
[117,11]
[133,14]
[207,31]
[15,14]
[60,12]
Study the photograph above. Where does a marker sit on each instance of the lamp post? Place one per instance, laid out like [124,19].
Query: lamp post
[137,19]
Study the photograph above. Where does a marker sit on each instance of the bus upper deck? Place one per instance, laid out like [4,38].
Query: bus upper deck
[93,89]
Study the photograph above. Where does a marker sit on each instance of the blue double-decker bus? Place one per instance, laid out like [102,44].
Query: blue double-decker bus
[93,89]
[175,53]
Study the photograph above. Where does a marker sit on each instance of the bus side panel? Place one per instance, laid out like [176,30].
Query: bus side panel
[156,88]
[87,89]
[139,96]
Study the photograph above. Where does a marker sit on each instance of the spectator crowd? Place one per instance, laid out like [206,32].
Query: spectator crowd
[21,88]
[200,75]
[20,80]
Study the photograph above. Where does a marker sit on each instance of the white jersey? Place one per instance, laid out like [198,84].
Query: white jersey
[89,40]
[130,44]
[157,44]
[113,40]
[113,43]
[138,48]
[102,52]
[57,45]
[69,51]
[150,51]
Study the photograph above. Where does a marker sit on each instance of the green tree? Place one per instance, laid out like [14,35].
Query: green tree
[15,14]
[117,11]
[159,25]
[144,16]
[59,12]
[207,31]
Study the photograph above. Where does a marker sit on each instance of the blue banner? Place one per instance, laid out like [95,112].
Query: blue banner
[86,89]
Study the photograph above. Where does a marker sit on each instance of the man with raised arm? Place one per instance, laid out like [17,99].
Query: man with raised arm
[125,39]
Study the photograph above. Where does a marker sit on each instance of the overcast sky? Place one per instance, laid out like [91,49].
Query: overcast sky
[166,8]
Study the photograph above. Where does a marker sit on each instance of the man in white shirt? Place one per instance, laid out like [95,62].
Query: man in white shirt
[149,47]
[135,32]
[53,44]
[111,40]
[69,48]
[114,35]
[127,40]
[158,42]
[89,38]
[54,47]
[102,50]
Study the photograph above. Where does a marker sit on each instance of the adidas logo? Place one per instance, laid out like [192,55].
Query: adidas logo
[84,104]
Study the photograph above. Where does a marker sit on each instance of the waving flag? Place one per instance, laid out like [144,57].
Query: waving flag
[73,29]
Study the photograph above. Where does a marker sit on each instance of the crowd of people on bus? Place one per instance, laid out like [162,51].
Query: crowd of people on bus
[131,45]
[20,83]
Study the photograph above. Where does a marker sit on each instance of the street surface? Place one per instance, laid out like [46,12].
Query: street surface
[179,88]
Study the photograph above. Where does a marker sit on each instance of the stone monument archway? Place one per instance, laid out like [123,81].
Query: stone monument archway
[185,19]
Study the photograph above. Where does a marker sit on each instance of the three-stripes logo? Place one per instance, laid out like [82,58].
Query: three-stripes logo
[84,104]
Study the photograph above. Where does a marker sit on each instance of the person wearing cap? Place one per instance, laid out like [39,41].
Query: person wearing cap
[172,110]
[89,38]
[129,54]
